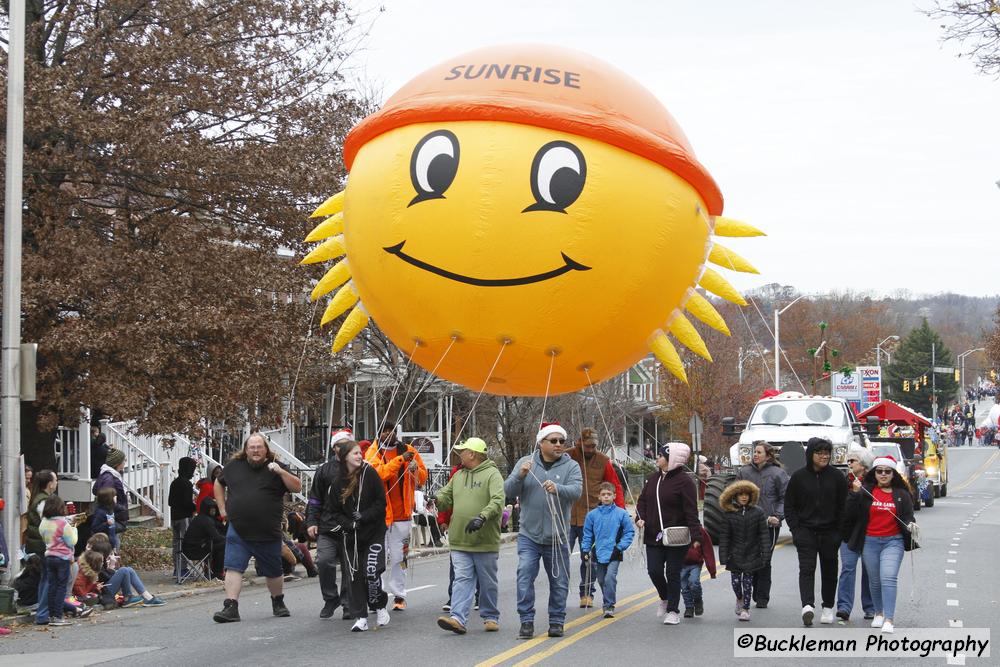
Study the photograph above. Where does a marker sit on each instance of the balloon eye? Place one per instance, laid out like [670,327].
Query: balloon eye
[433,165]
[558,173]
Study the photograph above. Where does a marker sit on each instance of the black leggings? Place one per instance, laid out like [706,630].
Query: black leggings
[664,567]
[743,587]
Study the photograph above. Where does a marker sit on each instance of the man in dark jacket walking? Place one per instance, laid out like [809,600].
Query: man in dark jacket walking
[319,527]
[814,502]
[768,475]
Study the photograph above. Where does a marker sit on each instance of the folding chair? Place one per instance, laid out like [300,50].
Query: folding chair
[193,570]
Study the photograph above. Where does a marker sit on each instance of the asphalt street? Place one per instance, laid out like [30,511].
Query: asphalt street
[952,581]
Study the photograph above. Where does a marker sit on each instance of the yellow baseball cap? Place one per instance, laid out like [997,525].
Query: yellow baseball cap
[475,444]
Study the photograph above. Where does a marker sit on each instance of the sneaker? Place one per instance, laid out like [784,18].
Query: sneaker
[878,621]
[527,631]
[888,628]
[347,615]
[826,616]
[869,616]
[327,610]
[745,615]
[59,621]
[807,615]
[688,612]
[671,618]
[609,612]
[312,573]
[132,601]
[555,630]
[86,611]
[761,605]
[399,604]
[661,609]
[491,626]
[153,602]
[699,607]
[278,606]
[382,617]
[843,615]
[446,606]
[291,577]
[586,602]
[451,624]
[360,625]
[230,612]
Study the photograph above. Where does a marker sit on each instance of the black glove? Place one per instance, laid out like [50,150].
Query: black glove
[616,554]
[585,556]
[475,524]
[356,515]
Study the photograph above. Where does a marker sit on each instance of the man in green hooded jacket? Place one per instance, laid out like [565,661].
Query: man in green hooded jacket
[476,496]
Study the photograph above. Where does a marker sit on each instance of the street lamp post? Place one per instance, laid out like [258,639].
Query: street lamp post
[961,361]
[777,344]
[878,349]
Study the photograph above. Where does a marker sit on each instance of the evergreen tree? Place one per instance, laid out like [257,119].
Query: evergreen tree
[912,363]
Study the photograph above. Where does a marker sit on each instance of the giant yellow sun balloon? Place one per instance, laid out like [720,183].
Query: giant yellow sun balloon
[526,219]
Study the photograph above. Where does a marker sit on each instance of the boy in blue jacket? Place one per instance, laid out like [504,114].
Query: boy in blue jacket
[607,533]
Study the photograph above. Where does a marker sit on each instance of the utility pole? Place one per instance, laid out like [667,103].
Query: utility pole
[933,382]
[10,410]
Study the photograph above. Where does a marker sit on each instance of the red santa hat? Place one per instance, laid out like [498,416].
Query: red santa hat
[547,429]
[341,435]
[884,462]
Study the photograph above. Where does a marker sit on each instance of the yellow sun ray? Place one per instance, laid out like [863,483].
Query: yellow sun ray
[665,351]
[730,227]
[718,286]
[352,326]
[700,307]
[330,227]
[685,332]
[335,204]
[727,259]
[331,248]
[334,278]
[344,299]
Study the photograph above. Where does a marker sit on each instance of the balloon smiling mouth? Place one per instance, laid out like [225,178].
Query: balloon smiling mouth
[569,264]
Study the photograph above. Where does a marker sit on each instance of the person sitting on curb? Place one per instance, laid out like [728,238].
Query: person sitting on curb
[476,495]
[124,579]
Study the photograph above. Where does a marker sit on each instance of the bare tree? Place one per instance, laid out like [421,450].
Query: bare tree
[975,26]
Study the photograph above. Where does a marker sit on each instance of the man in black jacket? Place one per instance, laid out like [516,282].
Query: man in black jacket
[814,502]
[319,523]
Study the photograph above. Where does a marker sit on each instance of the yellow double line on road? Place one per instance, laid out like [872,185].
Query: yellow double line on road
[645,599]
[989,462]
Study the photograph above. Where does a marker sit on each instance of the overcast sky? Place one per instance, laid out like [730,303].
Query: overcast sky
[864,147]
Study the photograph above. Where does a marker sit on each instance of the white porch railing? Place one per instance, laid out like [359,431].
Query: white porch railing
[68,452]
[277,439]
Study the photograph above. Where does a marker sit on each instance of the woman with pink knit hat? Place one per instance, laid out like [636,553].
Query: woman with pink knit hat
[667,513]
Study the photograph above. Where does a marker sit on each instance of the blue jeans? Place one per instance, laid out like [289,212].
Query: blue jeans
[42,613]
[474,569]
[691,585]
[58,572]
[587,577]
[606,575]
[882,557]
[848,575]
[556,560]
[127,580]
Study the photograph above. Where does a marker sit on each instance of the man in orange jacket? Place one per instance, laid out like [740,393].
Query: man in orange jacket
[402,471]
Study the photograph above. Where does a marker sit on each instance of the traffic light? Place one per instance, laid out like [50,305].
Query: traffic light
[958,375]
[906,385]
[923,380]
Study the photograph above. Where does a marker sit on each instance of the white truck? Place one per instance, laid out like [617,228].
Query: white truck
[786,421]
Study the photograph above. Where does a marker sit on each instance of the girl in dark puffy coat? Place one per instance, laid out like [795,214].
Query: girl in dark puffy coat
[744,541]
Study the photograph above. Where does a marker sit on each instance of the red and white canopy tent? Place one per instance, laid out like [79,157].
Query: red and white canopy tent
[893,412]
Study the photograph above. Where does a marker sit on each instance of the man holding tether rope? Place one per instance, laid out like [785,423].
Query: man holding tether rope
[547,482]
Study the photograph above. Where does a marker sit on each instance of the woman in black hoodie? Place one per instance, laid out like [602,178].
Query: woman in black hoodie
[356,504]
[814,501]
